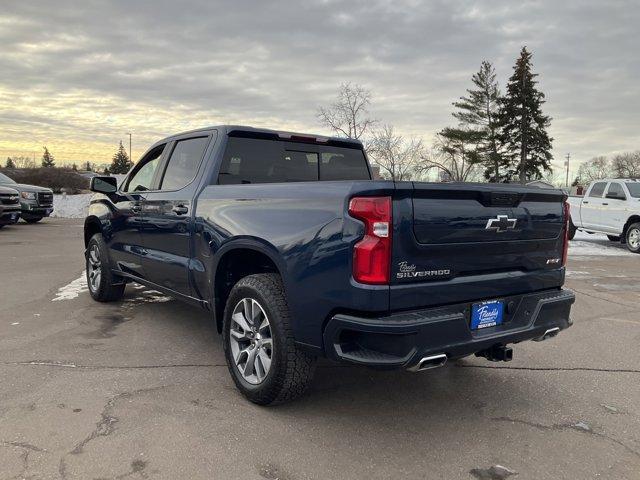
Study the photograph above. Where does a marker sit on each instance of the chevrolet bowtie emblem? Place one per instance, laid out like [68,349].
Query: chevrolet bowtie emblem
[501,224]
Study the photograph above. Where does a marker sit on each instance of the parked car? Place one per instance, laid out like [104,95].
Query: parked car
[9,206]
[298,254]
[612,207]
[35,202]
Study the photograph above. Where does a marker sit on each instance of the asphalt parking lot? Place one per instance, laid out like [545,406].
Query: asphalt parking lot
[139,389]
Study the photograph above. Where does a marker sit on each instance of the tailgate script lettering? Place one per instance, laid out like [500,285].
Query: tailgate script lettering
[410,271]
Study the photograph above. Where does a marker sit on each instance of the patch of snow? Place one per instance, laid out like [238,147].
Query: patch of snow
[72,290]
[71,206]
[595,245]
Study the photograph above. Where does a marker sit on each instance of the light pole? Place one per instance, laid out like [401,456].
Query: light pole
[130,159]
[567,165]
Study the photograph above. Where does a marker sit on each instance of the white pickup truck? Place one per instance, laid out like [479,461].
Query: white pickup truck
[612,207]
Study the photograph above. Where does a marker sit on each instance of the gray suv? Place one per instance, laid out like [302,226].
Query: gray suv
[35,202]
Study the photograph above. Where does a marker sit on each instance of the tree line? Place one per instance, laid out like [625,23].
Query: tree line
[120,163]
[621,165]
[501,138]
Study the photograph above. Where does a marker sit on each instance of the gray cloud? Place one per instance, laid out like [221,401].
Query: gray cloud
[92,70]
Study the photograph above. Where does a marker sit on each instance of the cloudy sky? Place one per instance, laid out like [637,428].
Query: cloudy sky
[77,76]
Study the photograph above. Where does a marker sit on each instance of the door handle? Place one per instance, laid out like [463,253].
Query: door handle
[180,210]
[584,202]
[605,203]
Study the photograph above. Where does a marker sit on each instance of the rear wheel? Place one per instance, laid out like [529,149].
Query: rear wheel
[32,219]
[104,286]
[614,238]
[262,357]
[633,238]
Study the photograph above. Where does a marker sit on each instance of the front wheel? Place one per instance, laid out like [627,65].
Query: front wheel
[633,238]
[104,286]
[262,357]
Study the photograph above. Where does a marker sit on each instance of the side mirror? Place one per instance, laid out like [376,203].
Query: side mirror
[616,196]
[104,184]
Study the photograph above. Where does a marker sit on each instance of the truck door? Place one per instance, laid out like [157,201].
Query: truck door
[168,213]
[591,213]
[615,208]
[124,241]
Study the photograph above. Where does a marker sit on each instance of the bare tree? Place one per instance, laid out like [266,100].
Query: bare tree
[626,165]
[398,158]
[349,114]
[455,158]
[594,169]
[23,162]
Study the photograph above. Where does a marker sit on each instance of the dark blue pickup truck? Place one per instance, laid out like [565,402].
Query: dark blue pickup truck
[298,253]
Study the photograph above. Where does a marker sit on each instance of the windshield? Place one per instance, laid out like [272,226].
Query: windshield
[634,189]
[5,179]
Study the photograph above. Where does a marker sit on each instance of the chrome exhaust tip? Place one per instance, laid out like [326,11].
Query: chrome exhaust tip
[549,333]
[427,363]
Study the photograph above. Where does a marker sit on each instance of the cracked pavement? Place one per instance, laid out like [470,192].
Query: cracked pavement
[139,389]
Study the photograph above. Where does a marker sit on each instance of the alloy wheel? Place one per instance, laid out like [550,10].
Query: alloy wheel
[633,238]
[94,268]
[251,341]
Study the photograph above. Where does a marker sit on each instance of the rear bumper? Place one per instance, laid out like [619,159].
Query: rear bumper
[402,339]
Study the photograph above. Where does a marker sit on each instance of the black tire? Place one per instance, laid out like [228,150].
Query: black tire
[108,286]
[572,230]
[631,237]
[614,238]
[32,219]
[291,369]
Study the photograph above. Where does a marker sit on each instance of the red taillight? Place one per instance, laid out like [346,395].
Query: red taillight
[372,254]
[565,246]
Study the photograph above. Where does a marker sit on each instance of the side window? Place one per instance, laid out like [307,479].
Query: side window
[598,189]
[616,189]
[143,173]
[183,163]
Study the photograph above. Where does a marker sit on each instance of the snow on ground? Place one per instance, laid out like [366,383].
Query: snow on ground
[71,206]
[596,245]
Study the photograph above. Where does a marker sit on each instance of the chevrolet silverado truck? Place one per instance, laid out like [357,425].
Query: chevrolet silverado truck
[299,254]
[35,202]
[612,207]
[9,206]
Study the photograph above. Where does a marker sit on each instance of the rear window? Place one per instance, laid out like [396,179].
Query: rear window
[598,189]
[250,160]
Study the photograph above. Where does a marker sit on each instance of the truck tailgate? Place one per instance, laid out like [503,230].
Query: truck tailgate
[457,242]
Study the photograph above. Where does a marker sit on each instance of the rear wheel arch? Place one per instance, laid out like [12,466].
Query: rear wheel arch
[235,263]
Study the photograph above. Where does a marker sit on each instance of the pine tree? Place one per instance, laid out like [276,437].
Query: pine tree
[478,112]
[10,163]
[523,125]
[74,167]
[88,167]
[47,159]
[120,162]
